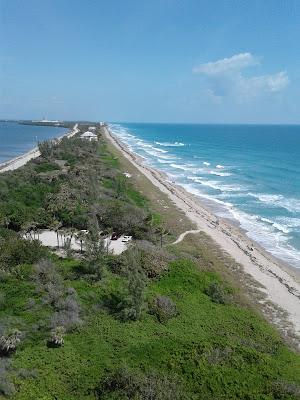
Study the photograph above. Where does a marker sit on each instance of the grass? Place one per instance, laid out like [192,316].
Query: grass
[218,351]
[137,198]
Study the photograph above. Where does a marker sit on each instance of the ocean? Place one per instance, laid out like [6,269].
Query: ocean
[16,139]
[246,173]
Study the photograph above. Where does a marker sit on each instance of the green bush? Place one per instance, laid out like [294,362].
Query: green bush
[163,308]
[217,293]
[46,167]
[131,384]
[10,341]
[15,251]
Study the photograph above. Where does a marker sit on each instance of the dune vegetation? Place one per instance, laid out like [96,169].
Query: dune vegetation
[159,321]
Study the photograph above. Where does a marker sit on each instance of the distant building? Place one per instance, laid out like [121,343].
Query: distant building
[92,128]
[90,136]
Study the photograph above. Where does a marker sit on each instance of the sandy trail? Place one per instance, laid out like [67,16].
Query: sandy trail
[183,235]
[281,285]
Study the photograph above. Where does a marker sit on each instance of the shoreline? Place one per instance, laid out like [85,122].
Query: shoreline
[281,282]
[23,159]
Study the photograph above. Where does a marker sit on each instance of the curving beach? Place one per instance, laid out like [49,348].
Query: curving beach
[19,161]
[279,283]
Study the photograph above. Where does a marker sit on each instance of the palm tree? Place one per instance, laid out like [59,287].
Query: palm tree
[162,231]
[81,236]
[55,225]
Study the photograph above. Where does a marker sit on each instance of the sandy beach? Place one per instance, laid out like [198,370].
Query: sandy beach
[19,161]
[279,283]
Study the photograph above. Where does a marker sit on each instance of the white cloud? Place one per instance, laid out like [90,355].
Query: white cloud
[225,78]
[272,83]
[234,63]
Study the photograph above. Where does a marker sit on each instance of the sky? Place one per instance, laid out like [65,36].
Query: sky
[194,61]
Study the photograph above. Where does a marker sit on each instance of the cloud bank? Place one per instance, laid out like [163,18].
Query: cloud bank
[226,78]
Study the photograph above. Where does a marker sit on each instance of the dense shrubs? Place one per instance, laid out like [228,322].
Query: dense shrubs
[47,148]
[9,342]
[163,308]
[283,390]
[122,216]
[44,192]
[63,301]
[154,259]
[67,314]
[15,250]
[131,384]
[45,274]
[56,337]
[217,293]
[6,387]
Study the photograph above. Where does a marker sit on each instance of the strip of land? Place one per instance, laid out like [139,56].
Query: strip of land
[281,284]
[19,161]
[169,318]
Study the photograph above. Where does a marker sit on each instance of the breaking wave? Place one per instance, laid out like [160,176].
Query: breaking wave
[168,144]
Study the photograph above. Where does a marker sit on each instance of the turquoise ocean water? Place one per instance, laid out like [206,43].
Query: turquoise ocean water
[248,173]
[16,139]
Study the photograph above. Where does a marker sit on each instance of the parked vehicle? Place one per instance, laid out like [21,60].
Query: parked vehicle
[114,236]
[127,238]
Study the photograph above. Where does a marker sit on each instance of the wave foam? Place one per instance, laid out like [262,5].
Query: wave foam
[217,185]
[219,173]
[277,200]
[273,237]
[169,144]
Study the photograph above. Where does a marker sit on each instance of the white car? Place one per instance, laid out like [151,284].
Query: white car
[127,239]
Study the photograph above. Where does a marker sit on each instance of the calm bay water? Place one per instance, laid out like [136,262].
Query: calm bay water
[250,173]
[16,139]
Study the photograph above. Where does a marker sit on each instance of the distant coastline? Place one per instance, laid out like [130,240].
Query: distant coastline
[19,161]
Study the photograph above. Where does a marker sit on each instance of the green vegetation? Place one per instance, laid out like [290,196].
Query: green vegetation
[154,323]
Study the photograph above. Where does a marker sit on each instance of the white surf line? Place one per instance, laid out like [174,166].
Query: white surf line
[183,235]
[19,161]
[282,288]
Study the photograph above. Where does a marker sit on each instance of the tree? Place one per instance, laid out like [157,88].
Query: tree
[46,149]
[162,232]
[133,301]
[81,236]
[96,252]
[55,225]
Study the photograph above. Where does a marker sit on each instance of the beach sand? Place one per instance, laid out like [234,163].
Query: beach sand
[18,162]
[279,283]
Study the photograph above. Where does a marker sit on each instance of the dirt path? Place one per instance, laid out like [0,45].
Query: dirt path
[183,235]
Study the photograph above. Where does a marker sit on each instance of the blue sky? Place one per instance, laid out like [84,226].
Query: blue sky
[232,61]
